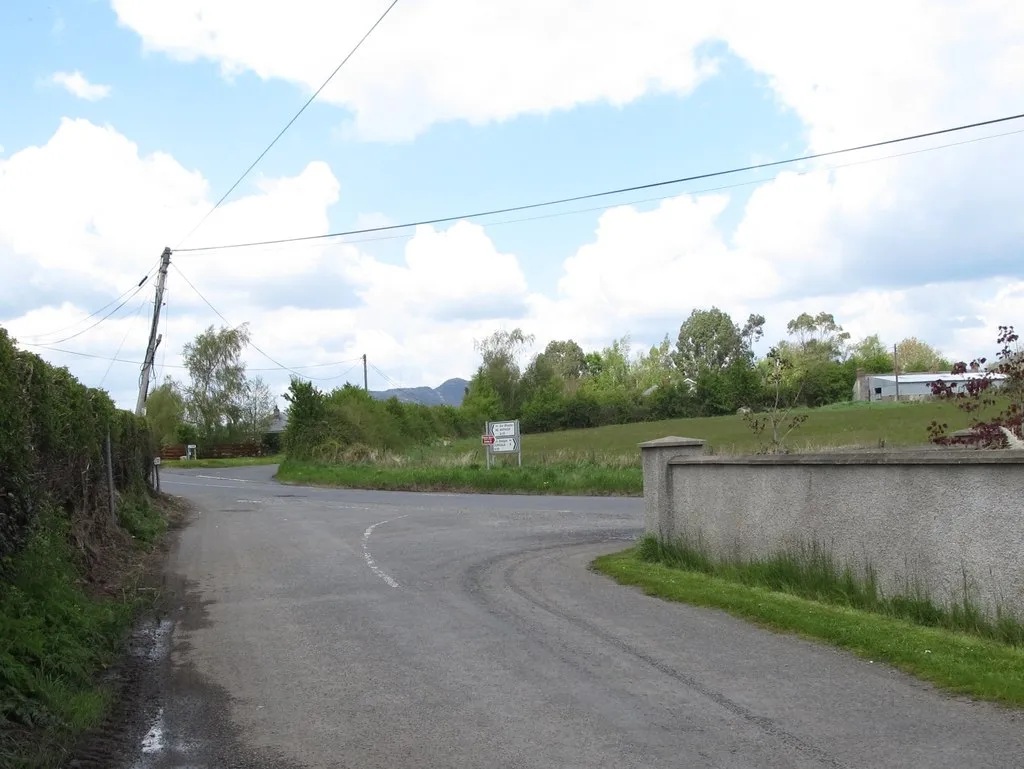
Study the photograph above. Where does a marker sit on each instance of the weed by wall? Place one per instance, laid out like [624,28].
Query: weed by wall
[812,571]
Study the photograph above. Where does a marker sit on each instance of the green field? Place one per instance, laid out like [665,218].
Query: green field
[606,460]
[845,424]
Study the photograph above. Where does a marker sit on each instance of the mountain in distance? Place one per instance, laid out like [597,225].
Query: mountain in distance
[448,393]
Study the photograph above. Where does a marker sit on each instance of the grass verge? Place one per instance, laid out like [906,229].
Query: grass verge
[275,459]
[960,662]
[577,479]
[57,635]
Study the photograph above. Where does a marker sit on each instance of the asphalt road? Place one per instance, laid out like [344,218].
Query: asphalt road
[333,628]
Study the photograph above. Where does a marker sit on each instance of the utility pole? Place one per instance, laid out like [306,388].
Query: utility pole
[366,381]
[896,370]
[154,337]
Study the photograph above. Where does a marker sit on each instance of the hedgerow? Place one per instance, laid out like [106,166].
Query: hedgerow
[58,536]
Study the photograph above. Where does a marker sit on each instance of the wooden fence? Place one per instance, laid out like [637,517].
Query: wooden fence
[215,451]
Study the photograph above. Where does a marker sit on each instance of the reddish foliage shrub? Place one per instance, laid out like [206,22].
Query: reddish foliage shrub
[1001,384]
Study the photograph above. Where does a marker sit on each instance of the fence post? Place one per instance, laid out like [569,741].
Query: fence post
[110,477]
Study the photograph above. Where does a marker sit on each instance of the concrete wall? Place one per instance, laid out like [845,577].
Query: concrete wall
[923,518]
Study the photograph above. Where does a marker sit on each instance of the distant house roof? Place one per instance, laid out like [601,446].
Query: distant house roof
[279,422]
[927,378]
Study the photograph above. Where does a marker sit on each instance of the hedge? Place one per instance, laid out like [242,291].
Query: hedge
[52,433]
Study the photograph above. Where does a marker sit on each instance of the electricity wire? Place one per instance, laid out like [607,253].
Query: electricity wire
[288,125]
[606,193]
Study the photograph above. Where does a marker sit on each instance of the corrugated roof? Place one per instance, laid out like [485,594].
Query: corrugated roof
[928,378]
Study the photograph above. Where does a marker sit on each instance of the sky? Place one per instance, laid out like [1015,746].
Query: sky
[123,121]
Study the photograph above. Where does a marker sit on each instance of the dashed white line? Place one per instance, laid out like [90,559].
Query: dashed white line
[388,579]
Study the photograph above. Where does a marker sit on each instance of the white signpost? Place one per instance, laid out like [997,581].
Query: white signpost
[502,438]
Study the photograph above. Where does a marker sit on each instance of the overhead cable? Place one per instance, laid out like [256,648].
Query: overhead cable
[290,122]
[606,193]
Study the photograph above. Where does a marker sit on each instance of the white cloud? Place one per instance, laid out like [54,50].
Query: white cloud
[76,84]
[442,59]
[416,321]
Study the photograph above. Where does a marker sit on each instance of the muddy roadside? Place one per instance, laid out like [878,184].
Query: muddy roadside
[163,713]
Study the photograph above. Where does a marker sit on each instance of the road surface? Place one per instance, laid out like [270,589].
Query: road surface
[335,628]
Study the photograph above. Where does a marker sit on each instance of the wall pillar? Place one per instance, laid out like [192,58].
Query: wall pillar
[655,456]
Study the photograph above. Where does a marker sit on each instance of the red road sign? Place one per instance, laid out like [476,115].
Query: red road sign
[487,440]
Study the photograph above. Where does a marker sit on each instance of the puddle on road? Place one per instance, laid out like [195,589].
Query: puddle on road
[153,742]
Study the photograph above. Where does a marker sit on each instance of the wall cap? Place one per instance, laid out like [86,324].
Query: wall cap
[919,457]
[671,442]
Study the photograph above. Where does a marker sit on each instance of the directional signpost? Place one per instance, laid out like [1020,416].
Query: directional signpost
[502,438]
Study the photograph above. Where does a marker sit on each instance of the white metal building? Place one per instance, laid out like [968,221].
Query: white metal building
[878,387]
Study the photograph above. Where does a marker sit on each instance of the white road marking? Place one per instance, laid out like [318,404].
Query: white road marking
[174,482]
[222,478]
[388,579]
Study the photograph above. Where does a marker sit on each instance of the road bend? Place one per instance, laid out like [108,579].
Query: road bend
[339,628]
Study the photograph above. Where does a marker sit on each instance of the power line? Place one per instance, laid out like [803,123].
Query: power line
[294,118]
[137,289]
[115,359]
[232,325]
[618,191]
[396,386]
[703,190]
[93,314]
[124,339]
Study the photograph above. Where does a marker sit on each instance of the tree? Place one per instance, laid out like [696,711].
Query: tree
[566,359]
[752,331]
[872,356]
[501,354]
[213,396]
[165,410]
[257,408]
[709,341]
[913,355]
[819,335]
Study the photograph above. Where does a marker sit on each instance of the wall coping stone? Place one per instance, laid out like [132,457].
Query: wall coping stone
[919,457]
[671,442]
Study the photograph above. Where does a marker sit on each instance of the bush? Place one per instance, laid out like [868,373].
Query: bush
[326,426]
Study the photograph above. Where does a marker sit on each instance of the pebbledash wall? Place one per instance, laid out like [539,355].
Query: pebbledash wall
[929,518]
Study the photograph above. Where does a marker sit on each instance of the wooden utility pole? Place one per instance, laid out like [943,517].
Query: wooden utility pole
[366,381]
[154,337]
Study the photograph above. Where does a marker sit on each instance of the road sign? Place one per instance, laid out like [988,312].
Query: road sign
[504,429]
[502,438]
[504,445]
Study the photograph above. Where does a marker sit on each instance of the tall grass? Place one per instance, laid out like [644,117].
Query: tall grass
[812,571]
[54,638]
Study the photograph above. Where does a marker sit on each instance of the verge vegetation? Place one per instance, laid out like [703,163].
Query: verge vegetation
[69,566]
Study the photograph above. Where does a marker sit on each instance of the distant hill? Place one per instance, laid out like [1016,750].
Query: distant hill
[449,393]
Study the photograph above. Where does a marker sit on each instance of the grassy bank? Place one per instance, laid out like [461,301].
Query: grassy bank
[58,632]
[275,459]
[843,424]
[954,648]
[605,460]
[565,479]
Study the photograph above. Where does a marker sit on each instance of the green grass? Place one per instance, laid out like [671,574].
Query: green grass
[955,649]
[275,459]
[844,424]
[582,479]
[54,640]
[606,460]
